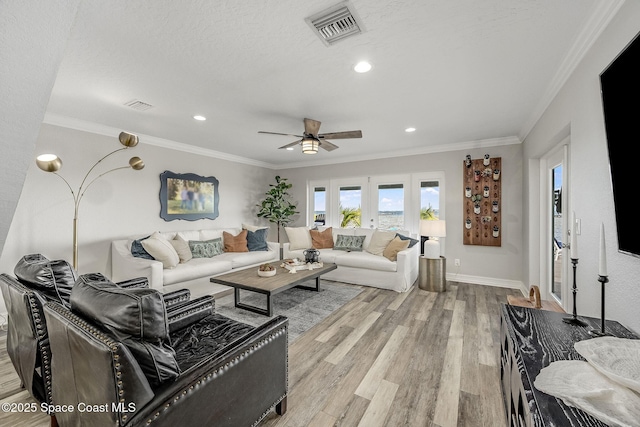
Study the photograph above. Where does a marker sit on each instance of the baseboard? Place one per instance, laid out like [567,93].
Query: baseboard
[489,281]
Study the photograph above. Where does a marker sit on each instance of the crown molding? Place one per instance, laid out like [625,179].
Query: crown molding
[443,148]
[99,129]
[602,14]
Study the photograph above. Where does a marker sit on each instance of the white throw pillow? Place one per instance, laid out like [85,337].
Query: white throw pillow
[379,241]
[160,248]
[299,238]
[182,248]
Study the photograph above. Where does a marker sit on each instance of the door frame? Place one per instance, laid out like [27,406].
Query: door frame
[560,154]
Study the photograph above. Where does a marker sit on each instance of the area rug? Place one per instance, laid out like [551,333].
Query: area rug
[303,307]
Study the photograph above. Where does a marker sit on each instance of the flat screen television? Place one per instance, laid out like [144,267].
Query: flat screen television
[620,88]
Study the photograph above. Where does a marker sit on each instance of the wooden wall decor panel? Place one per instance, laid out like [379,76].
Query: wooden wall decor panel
[482,195]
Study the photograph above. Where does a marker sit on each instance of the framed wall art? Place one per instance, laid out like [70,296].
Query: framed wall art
[188,196]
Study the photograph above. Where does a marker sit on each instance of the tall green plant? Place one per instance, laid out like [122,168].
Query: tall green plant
[277,207]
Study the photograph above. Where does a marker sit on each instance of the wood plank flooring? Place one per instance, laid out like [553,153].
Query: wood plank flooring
[413,359]
[384,359]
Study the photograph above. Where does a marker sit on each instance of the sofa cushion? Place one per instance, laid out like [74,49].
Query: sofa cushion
[191,235]
[253,227]
[365,260]
[160,249]
[299,238]
[157,360]
[53,278]
[349,243]
[207,248]
[379,241]
[235,243]
[138,251]
[396,245]
[198,268]
[322,239]
[257,240]
[182,248]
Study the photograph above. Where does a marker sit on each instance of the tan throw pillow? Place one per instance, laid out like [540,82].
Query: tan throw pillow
[392,249]
[299,238]
[182,248]
[322,239]
[235,243]
[160,248]
[379,241]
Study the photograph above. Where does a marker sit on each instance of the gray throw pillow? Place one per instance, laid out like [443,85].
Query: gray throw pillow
[138,251]
[412,242]
[257,240]
[206,248]
[349,243]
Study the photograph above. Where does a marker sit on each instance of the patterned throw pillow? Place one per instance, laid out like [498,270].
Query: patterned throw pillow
[349,243]
[322,239]
[206,248]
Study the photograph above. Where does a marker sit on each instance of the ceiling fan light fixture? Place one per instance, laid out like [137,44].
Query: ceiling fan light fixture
[309,146]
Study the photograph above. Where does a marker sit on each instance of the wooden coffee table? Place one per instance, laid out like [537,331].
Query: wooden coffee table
[249,280]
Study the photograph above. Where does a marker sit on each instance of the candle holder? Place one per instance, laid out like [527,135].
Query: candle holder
[573,320]
[599,333]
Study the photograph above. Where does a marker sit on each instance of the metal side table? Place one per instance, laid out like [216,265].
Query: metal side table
[432,274]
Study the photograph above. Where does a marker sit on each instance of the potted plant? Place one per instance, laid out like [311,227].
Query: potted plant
[277,206]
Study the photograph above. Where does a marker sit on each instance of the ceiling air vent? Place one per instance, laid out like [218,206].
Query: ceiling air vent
[138,105]
[335,24]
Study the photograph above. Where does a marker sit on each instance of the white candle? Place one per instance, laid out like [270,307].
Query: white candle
[602,265]
[573,246]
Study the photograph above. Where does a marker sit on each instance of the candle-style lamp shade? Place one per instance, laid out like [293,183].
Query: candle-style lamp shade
[53,163]
[432,229]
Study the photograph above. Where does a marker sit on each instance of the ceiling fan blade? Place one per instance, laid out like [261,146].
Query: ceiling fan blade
[291,144]
[276,133]
[342,135]
[327,145]
[311,127]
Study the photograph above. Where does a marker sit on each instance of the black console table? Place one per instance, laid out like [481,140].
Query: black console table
[530,340]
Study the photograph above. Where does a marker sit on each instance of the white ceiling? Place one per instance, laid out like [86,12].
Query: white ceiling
[460,71]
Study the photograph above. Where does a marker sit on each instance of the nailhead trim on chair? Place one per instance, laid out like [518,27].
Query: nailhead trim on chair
[189,312]
[100,336]
[225,367]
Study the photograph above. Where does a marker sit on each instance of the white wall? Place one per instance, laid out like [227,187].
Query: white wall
[121,203]
[577,111]
[500,266]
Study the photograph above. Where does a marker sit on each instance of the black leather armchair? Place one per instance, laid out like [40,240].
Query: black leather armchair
[39,280]
[115,352]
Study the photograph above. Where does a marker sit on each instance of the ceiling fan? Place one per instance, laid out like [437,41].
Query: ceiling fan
[311,139]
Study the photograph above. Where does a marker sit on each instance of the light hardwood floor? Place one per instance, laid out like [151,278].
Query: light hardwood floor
[384,359]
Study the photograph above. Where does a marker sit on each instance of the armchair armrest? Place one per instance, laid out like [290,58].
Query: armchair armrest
[138,282]
[185,313]
[176,297]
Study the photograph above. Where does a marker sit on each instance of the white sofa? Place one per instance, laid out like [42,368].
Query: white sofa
[193,274]
[362,267]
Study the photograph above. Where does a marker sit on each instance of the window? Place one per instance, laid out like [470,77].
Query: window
[350,206]
[319,205]
[391,206]
[429,200]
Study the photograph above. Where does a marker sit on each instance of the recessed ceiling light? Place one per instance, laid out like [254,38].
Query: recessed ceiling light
[362,67]
[289,148]
[201,118]
[409,130]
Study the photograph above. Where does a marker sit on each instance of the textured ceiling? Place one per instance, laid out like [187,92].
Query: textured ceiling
[458,71]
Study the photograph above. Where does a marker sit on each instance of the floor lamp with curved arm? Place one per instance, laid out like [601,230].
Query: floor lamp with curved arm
[53,163]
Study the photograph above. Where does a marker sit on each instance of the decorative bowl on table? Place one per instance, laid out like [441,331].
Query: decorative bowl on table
[266,270]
